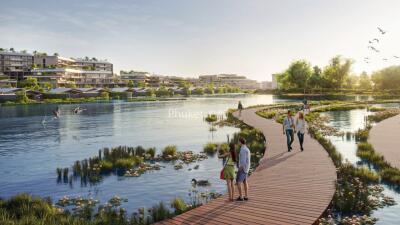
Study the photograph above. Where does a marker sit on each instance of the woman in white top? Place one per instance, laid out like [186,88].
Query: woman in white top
[301,129]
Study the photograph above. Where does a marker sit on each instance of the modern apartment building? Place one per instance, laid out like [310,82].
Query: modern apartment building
[229,79]
[275,84]
[15,65]
[64,72]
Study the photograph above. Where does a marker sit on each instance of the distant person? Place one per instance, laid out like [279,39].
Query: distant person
[240,107]
[229,169]
[243,171]
[288,129]
[301,129]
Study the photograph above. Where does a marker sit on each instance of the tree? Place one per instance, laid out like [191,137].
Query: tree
[364,81]
[336,72]
[29,83]
[295,76]
[351,82]
[141,84]
[55,54]
[387,78]
[47,86]
[315,80]
[131,84]
[70,85]
[21,96]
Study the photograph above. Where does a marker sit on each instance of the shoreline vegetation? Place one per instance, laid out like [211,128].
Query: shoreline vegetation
[26,209]
[358,192]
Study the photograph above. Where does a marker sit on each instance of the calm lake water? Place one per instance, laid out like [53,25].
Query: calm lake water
[30,152]
[351,121]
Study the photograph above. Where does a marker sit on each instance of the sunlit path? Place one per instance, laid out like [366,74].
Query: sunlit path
[287,188]
[384,137]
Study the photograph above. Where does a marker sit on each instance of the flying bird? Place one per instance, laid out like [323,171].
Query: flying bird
[382,31]
[376,39]
[395,56]
[373,48]
[370,42]
[56,113]
[384,59]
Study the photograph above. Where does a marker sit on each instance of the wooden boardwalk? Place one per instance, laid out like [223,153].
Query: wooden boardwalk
[384,137]
[287,187]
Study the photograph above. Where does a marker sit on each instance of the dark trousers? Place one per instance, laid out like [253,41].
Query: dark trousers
[289,138]
[301,139]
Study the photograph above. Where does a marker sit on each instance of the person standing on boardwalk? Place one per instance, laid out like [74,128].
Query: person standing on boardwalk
[229,169]
[301,129]
[240,107]
[244,167]
[288,129]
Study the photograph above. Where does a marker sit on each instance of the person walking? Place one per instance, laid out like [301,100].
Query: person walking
[288,129]
[243,171]
[229,169]
[240,107]
[301,129]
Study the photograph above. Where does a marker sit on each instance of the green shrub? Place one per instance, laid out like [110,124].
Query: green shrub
[210,148]
[125,163]
[106,166]
[151,152]
[179,205]
[211,118]
[169,150]
[267,114]
[362,135]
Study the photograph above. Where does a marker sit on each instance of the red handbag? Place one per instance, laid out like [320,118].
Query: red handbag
[222,173]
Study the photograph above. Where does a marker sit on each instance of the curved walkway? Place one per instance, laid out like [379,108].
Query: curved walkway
[287,188]
[385,139]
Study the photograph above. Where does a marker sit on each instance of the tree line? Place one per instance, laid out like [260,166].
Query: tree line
[337,75]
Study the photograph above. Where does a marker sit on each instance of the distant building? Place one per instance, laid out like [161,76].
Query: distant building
[15,65]
[63,72]
[275,84]
[229,79]
[266,85]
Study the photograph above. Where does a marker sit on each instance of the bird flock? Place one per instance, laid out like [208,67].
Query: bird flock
[374,47]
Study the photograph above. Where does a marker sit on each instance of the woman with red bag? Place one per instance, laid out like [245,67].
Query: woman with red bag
[228,172]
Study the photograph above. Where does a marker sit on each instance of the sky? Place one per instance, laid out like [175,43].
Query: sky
[193,37]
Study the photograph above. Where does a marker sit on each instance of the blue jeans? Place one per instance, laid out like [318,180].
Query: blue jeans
[289,138]
[301,139]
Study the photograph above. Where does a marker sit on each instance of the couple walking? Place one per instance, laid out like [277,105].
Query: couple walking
[292,125]
[243,164]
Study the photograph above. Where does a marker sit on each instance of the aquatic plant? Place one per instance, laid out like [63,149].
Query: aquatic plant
[169,152]
[382,115]
[210,148]
[179,205]
[361,135]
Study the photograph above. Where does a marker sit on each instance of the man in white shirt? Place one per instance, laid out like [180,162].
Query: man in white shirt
[244,167]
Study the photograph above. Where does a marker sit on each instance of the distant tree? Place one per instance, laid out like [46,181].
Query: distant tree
[24,51]
[105,95]
[298,74]
[47,86]
[351,82]
[12,49]
[131,84]
[364,81]
[30,83]
[21,96]
[151,92]
[387,78]
[315,81]
[141,84]
[70,85]
[336,72]
[55,54]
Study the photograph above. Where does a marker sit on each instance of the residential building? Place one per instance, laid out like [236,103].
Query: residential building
[275,84]
[65,72]
[15,65]
[229,79]
[266,85]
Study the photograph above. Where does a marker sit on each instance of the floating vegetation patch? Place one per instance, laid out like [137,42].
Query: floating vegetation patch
[125,161]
